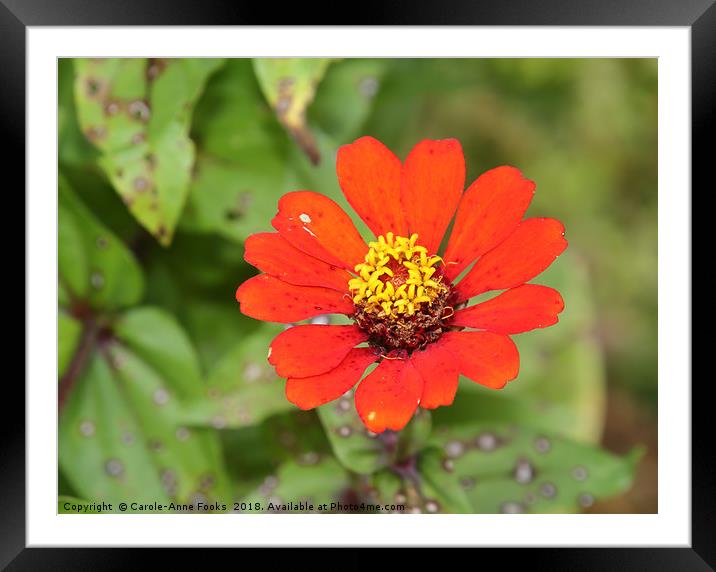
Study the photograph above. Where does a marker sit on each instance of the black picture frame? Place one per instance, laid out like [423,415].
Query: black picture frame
[17,15]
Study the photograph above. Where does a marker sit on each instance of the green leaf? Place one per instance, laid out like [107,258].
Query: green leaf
[346,96]
[94,266]
[319,483]
[72,146]
[441,492]
[69,331]
[289,85]
[110,97]
[101,447]
[235,200]
[232,118]
[243,389]
[387,487]
[203,300]
[254,451]
[153,178]
[121,435]
[505,468]
[354,446]
[421,485]
[137,112]
[175,90]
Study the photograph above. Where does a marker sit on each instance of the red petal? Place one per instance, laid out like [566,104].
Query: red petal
[432,184]
[271,253]
[518,310]
[389,395]
[310,392]
[369,174]
[486,358]
[316,225]
[303,351]
[489,211]
[440,373]
[267,298]
[531,248]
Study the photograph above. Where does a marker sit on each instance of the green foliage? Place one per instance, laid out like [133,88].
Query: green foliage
[121,432]
[345,99]
[502,468]
[486,468]
[69,330]
[243,389]
[289,85]
[94,266]
[137,112]
[255,451]
[241,166]
[315,484]
[355,447]
[167,166]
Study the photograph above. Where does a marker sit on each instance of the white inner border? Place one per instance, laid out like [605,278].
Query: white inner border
[670,527]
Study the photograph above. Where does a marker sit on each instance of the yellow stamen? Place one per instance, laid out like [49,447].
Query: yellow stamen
[379,289]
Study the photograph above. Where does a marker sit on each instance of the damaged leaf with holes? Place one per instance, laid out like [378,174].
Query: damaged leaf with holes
[137,112]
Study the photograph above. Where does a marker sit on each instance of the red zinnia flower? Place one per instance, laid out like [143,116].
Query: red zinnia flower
[406,303]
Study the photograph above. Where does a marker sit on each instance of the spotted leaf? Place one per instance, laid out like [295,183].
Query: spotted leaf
[95,268]
[137,113]
[323,481]
[510,469]
[69,331]
[242,389]
[289,85]
[355,447]
[121,432]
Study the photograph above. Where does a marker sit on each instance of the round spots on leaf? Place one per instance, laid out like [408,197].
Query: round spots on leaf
[548,490]
[87,428]
[139,110]
[368,87]
[114,468]
[512,507]
[542,445]
[586,500]
[97,280]
[160,396]
[182,433]
[580,473]
[524,472]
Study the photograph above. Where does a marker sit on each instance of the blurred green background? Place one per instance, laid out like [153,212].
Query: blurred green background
[166,166]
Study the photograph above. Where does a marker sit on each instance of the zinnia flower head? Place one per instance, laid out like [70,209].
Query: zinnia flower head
[408,304]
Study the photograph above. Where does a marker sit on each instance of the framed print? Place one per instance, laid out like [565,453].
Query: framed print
[297,282]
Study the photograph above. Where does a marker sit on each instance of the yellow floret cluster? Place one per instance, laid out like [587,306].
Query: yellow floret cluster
[396,295]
